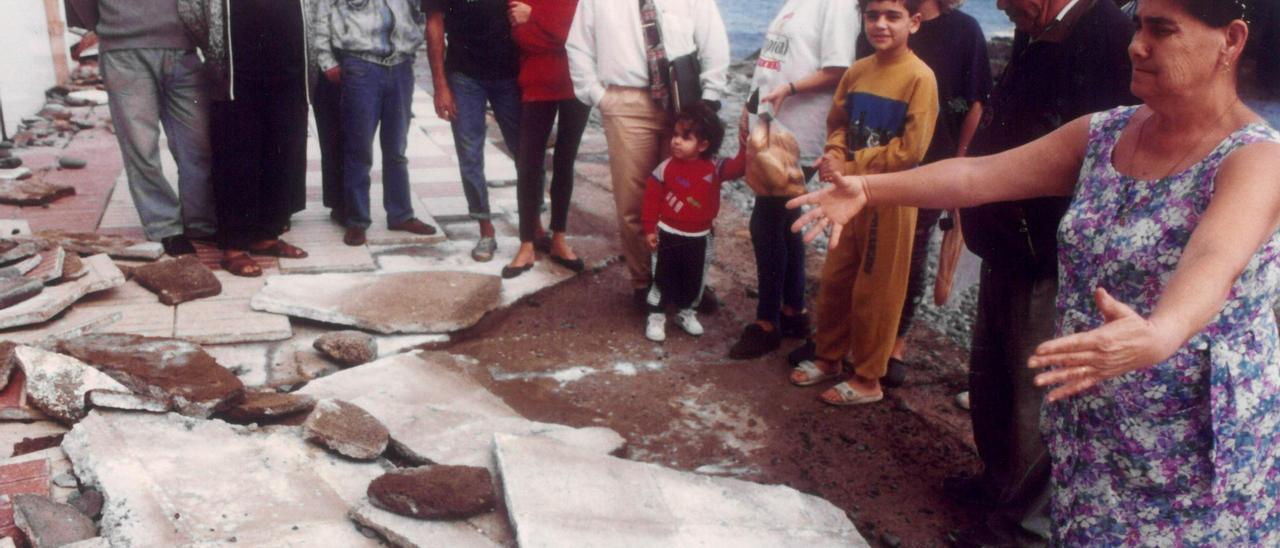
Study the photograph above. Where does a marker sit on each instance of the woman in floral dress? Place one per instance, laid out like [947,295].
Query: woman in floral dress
[1164,421]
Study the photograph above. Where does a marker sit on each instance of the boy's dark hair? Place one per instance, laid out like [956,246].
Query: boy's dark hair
[704,123]
[913,6]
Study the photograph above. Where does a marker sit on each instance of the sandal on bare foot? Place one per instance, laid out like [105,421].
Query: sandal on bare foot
[241,264]
[843,394]
[807,373]
[279,248]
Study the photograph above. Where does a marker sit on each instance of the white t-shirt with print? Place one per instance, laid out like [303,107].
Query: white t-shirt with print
[807,35]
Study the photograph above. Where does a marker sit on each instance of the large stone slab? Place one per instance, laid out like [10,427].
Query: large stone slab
[217,484]
[437,414]
[92,243]
[103,274]
[561,496]
[170,370]
[56,384]
[406,302]
[50,524]
[32,191]
[178,280]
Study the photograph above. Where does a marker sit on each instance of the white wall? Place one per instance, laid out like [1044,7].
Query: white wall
[26,65]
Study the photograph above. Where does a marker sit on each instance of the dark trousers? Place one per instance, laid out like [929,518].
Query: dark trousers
[326,105]
[536,119]
[779,257]
[376,98]
[925,220]
[679,268]
[259,162]
[1016,312]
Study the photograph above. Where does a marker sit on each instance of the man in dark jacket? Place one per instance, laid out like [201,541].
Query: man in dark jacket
[1069,59]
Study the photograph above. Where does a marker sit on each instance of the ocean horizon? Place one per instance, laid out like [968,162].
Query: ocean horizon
[747,21]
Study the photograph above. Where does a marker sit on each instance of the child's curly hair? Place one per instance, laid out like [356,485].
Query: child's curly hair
[705,124]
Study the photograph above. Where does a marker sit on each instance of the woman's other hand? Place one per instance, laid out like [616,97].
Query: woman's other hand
[776,97]
[1126,342]
[834,206]
[518,13]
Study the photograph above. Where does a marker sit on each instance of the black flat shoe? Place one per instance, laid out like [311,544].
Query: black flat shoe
[574,264]
[177,245]
[509,272]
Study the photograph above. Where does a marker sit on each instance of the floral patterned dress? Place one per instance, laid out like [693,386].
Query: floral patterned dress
[1186,452]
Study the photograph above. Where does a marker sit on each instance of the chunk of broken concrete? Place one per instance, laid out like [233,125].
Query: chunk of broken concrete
[72,268]
[102,275]
[56,384]
[16,290]
[404,302]
[32,191]
[266,406]
[178,280]
[346,429]
[124,401]
[71,162]
[21,267]
[561,496]
[52,259]
[216,482]
[50,524]
[171,370]
[348,347]
[88,502]
[434,492]
[92,243]
[12,251]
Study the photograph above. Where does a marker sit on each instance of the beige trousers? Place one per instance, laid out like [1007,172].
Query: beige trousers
[639,139]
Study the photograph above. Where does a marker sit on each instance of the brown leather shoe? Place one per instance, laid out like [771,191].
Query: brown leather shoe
[354,236]
[415,226]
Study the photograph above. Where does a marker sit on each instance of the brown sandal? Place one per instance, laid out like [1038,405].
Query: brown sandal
[279,248]
[241,264]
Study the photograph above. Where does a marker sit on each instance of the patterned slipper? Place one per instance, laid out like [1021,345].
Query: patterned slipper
[847,395]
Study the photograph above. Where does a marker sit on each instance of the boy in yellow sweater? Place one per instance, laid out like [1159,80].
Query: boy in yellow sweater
[881,121]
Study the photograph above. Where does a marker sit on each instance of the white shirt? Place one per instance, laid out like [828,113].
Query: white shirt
[606,45]
[807,35]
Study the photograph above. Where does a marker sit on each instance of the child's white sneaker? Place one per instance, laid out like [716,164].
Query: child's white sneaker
[687,319]
[656,329]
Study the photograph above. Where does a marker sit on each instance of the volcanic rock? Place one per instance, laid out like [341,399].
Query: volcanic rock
[178,280]
[348,347]
[434,492]
[346,429]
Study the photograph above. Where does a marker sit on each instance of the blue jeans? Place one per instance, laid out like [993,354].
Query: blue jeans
[374,94]
[470,96]
[145,89]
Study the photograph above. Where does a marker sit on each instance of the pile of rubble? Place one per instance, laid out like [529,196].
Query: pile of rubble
[166,448]
[64,113]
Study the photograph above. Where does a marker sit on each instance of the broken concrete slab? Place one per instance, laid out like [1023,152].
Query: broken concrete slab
[21,267]
[435,413]
[102,275]
[12,251]
[346,429]
[32,191]
[170,370]
[409,532]
[227,321]
[440,492]
[124,401]
[52,260]
[348,347]
[16,290]
[92,243]
[72,268]
[407,302]
[277,498]
[265,406]
[49,524]
[56,384]
[71,323]
[95,542]
[178,280]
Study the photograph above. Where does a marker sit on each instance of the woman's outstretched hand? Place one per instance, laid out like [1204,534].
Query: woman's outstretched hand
[1126,342]
[834,206]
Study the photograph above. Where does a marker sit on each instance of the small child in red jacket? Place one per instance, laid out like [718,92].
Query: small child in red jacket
[681,199]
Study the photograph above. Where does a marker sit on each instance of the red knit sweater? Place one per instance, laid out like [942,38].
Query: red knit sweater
[544,65]
[685,194]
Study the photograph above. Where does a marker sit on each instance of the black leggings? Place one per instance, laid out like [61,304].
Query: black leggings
[536,118]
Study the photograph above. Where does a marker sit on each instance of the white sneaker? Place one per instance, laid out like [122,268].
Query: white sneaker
[687,319]
[656,330]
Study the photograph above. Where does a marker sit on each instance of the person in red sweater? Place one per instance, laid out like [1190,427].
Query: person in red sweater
[539,28]
[681,200]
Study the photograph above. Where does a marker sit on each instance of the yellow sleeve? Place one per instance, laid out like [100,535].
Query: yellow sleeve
[837,118]
[907,151]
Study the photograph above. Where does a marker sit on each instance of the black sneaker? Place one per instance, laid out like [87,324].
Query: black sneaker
[896,374]
[177,245]
[795,326]
[755,342]
[710,303]
[806,351]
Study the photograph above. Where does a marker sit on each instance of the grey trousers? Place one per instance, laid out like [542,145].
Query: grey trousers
[147,88]
[1016,312]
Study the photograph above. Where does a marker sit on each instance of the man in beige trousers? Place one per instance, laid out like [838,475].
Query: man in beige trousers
[607,48]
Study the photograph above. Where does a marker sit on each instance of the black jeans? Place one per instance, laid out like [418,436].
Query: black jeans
[679,270]
[536,119]
[326,105]
[925,220]
[779,257]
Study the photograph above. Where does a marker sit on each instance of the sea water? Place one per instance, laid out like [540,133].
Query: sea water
[747,20]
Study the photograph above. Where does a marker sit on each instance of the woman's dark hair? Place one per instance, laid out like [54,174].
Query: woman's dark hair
[704,123]
[1216,13]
